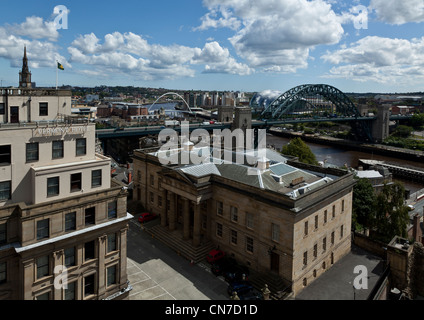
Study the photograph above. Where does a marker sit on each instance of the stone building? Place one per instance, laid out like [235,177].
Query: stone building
[267,213]
[63,222]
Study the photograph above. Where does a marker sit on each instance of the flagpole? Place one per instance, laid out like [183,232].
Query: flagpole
[57,73]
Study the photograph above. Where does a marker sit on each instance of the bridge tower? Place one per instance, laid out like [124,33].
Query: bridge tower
[242,118]
[225,114]
[380,126]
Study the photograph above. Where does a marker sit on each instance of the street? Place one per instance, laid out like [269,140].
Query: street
[158,273]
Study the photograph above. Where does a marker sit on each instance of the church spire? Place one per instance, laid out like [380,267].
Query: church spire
[25,75]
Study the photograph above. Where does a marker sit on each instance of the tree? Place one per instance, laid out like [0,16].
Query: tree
[363,203]
[298,148]
[391,214]
[403,131]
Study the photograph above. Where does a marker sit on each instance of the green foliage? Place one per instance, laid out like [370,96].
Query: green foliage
[363,203]
[403,131]
[417,120]
[405,143]
[298,148]
[390,212]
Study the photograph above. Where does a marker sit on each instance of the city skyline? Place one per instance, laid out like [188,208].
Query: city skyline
[356,46]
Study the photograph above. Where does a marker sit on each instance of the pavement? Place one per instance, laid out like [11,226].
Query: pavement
[158,273]
[337,282]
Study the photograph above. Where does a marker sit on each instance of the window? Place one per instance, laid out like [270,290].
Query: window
[234,214]
[76,182]
[70,291]
[324,244]
[71,221]
[305,258]
[2,108]
[57,149]
[334,212]
[152,197]
[43,229]
[219,208]
[160,201]
[139,175]
[219,230]
[316,222]
[44,296]
[111,275]
[343,205]
[249,244]
[111,210]
[42,267]
[53,186]
[315,251]
[3,272]
[325,216]
[5,192]
[3,233]
[5,155]
[96,178]
[305,282]
[152,180]
[233,237]
[111,242]
[32,152]
[81,148]
[89,250]
[341,231]
[44,109]
[275,230]
[90,216]
[89,285]
[306,228]
[69,257]
[332,237]
[249,220]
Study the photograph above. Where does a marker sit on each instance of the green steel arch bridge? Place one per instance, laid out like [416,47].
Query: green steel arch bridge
[314,102]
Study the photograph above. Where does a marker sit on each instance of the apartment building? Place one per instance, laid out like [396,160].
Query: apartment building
[270,213]
[63,221]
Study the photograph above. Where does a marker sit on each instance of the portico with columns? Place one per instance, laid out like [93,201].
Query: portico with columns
[186,207]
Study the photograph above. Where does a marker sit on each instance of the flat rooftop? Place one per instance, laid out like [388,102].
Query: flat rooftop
[337,282]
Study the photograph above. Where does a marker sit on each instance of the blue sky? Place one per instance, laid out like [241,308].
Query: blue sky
[356,46]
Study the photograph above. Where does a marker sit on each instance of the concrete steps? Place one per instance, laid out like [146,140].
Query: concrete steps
[276,284]
[175,241]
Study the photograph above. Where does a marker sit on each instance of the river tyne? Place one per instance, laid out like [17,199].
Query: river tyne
[340,157]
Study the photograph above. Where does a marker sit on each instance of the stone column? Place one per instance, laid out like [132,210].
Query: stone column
[197,225]
[30,271]
[186,218]
[59,271]
[164,212]
[101,251]
[123,258]
[171,213]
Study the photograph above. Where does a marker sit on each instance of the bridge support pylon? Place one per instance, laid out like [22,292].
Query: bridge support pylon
[380,126]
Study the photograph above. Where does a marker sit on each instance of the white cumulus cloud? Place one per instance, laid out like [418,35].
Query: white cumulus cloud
[398,12]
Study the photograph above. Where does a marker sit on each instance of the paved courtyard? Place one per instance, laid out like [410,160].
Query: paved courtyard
[158,273]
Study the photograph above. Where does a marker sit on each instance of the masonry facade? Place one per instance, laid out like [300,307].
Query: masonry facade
[63,221]
[256,219]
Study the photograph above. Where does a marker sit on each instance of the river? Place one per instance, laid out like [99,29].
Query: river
[340,157]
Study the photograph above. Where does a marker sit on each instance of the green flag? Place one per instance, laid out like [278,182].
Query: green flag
[59,66]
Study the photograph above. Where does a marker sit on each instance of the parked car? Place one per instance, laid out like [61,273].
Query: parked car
[146,216]
[223,265]
[253,294]
[215,255]
[230,269]
[239,287]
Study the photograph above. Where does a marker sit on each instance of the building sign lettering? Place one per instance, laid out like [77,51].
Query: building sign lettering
[59,131]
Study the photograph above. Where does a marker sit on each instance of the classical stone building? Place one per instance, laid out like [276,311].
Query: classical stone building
[270,213]
[63,222]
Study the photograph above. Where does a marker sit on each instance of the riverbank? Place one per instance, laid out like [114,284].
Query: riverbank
[378,149]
